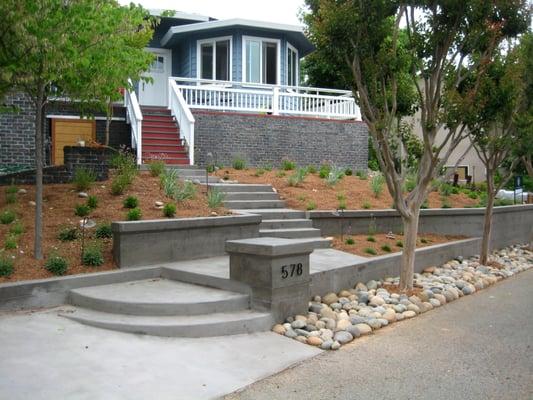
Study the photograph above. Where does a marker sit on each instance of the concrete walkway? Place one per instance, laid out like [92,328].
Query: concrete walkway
[478,347]
[44,356]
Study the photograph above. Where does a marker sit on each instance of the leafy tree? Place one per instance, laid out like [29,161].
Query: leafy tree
[48,47]
[440,38]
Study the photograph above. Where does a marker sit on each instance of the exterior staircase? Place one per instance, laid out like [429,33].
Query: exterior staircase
[165,307]
[278,221]
[161,138]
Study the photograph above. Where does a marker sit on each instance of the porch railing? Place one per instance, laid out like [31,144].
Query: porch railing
[180,110]
[134,117]
[274,99]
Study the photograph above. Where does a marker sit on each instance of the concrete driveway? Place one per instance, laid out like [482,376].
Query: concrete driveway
[478,347]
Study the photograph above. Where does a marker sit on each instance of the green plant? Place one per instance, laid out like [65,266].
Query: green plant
[399,243]
[386,248]
[350,241]
[445,203]
[287,165]
[92,202]
[348,172]
[362,174]
[6,267]
[503,202]
[215,198]
[134,214]
[131,202]
[424,241]
[280,174]
[92,255]
[370,238]
[311,169]
[324,170]
[83,178]
[125,163]
[17,229]
[238,163]
[301,197]
[185,191]
[7,217]
[157,167]
[169,181]
[56,264]
[259,172]
[68,233]
[445,189]
[169,210]
[267,167]
[370,250]
[10,242]
[472,195]
[425,204]
[334,176]
[11,198]
[341,205]
[455,190]
[210,168]
[410,182]
[367,205]
[311,206]
[376,184]
[12,189]
[298,177]
[82,210]
[119,184]
[103,231]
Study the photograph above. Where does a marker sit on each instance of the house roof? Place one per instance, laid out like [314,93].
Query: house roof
[294,33]
[157,12]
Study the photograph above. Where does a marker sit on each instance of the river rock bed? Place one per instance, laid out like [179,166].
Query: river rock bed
[338,318]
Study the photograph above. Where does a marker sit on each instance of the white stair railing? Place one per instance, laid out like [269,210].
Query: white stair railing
[184,118]
[134,117]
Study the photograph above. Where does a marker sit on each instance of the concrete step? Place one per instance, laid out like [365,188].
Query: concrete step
[274,213]
[209,325]
[201,180]
[290,233]
[285,223]
[157,297]
[252,196]
[191,172]
[254,204]
[240,187]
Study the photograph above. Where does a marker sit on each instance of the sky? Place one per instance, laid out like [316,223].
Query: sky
[280,11]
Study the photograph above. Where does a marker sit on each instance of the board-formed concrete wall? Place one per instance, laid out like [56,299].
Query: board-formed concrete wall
[267,139]
[511,224]
[138,243]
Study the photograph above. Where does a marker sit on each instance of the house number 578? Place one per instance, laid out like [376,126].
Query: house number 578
[291,270]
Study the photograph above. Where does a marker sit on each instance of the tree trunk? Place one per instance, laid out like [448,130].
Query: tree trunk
[109,118]
[407,267]
[487,226]
[39,150]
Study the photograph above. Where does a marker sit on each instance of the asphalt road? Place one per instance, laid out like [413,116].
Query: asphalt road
[478,347]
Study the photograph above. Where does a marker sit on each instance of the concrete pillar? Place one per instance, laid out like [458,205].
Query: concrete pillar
[276,270]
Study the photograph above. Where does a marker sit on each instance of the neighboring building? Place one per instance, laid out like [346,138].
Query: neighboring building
[220,89]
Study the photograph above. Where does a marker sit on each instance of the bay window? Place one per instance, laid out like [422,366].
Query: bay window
[292,66]
[214,60]
[261,60]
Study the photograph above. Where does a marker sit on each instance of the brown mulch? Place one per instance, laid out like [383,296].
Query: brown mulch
[315,190]
[361,243]
[394,288]
[58,210]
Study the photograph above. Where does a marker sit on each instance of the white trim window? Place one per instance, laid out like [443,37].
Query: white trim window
[292,66]
[214,58]
[261,60]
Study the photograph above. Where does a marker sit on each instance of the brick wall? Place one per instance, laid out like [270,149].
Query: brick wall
[262,139]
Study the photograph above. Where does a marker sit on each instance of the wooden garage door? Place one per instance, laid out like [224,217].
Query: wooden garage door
[68,132]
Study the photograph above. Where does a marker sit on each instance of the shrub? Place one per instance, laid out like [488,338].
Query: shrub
[83,178]
[10,242]
[215,198]
[92,255]
[342,205]
[259,172]
[119,184]
[92,202]
[370,250]
[425,204]
[267,167]
[169,210]
[311,205]
[324,170]
[361,174]
[350,241]
[6,267]
[334,176]
[410,183]
[503,202]
[446,203]
[455,190]
[57,265]
[386,248]
[11,198]
[473,195]
[424,240]
[210,168]
[131,202]
[17,229]
[68,234]
[348,172]
[157,167]
[103,231]
[399,243]
[367,205]
[169,181]
[280,174]
[301,197]
[370,238]
[7,217]
[311,169]
[134,214]
[445,189]
[376,184]
[287,165]
[82,210]
[125,163]
[183,192]
[298,177]
[238,163]
[12,189]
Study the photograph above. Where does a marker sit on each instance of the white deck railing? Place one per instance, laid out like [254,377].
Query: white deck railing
[181,111]
[275,99]
[134,117]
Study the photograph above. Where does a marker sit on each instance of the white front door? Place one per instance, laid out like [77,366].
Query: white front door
[155,93]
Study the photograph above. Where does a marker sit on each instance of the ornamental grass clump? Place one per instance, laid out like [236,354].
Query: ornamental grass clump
[376,184]
[371,251]
[92,202]
[156,167]
[56,264]
[68,234]
[6,267]
[17,229]
[7,217]
[215,198]
[103,231]
[169,181]
[238,163]
[185,191]
[92,255]
[10,242]
[287,164]
[169,210]
[134,214]
[82,210]
[297,178]
[83,179]
[130,202]
[350,241]
[334,176]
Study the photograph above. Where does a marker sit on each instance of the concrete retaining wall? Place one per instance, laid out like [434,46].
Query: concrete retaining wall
[511,224]
[137,243]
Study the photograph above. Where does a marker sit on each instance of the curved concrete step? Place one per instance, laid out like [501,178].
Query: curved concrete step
[290,233]
[243,187]
[273,213]
[254,204]
[251,196]
[286,223]
[158,297]
[219,324]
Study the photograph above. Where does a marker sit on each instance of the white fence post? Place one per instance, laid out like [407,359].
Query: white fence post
[275,101]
